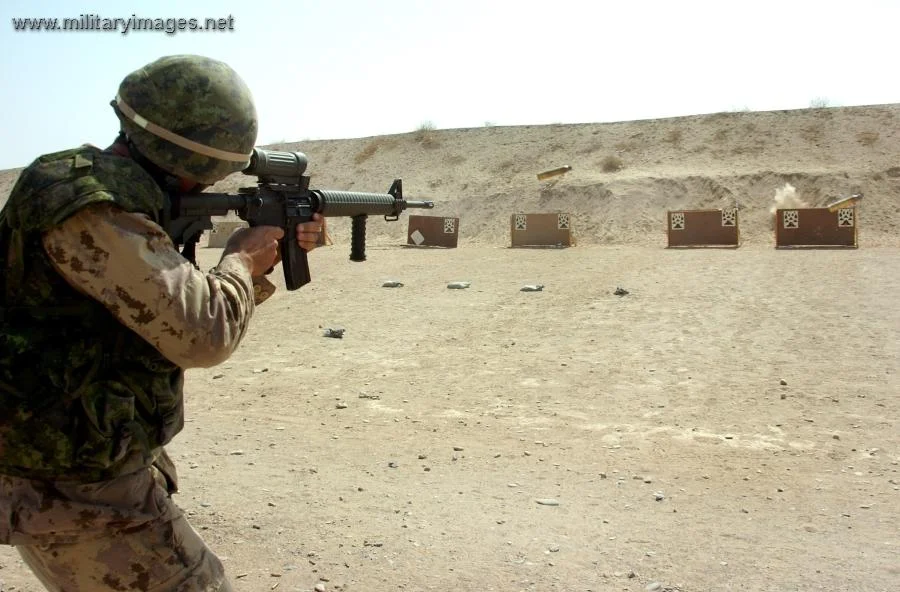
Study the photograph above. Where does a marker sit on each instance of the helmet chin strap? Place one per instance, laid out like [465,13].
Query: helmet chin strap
[170,185]
[168,182]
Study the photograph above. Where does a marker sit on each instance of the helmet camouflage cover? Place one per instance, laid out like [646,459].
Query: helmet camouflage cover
[190,115]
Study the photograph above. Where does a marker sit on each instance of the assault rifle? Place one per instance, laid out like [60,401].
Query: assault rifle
[282,198]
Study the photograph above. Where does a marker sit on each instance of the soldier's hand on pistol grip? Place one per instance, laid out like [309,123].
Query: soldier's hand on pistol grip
[257,247]
[309,236]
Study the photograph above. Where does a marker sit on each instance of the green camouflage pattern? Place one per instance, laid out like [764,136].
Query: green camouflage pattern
[82,397]
[198,98]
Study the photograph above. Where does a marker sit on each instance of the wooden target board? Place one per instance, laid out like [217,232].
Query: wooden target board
[433,231]
[541,230]
[815,227]
[704,228]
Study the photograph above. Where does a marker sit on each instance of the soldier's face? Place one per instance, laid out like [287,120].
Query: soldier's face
[188,186]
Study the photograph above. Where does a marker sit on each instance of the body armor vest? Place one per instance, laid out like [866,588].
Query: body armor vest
[82,397]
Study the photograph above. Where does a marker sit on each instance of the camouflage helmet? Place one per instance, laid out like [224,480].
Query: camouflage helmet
[189,115]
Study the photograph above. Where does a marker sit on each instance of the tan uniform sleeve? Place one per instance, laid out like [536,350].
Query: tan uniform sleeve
[129,264]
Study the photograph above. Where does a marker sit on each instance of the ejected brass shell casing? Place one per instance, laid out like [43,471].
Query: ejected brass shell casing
[553,172]
[847,202]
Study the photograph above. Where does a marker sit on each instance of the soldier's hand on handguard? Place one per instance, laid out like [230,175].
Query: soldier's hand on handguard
[257,247]
[309,233]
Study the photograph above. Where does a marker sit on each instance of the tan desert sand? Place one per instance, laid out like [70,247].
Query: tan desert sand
[731,423]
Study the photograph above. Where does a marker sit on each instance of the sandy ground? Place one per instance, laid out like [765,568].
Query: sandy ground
[414,453]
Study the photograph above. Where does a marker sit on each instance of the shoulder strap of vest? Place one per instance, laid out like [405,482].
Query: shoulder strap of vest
[57,185]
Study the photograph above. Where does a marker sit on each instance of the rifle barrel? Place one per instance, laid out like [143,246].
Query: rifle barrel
[327,202]
[352,203]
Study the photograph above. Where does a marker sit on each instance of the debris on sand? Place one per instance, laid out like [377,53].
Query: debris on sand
[335,333]
[459,285]
[532,288]
[620,291]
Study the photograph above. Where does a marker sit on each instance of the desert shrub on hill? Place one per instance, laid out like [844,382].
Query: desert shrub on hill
[611,164]
[366,153]
[867,138]
[425,136]
[674,136]
[372,147]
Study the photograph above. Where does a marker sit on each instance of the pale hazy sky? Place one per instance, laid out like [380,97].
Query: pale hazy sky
[329,69]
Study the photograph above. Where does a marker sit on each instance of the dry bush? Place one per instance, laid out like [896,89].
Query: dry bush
[611,164]
[626,146]
[867,138]
[812,133]
[429,142]
[674,136]
[366,153]
[591,148]
[756,148]
[372,147]
[721,135]
[718,117]
[424,135]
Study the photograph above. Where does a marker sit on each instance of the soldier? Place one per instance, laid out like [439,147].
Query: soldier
[99,318]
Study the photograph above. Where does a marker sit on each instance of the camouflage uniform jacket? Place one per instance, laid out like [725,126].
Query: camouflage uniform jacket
[99,317]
